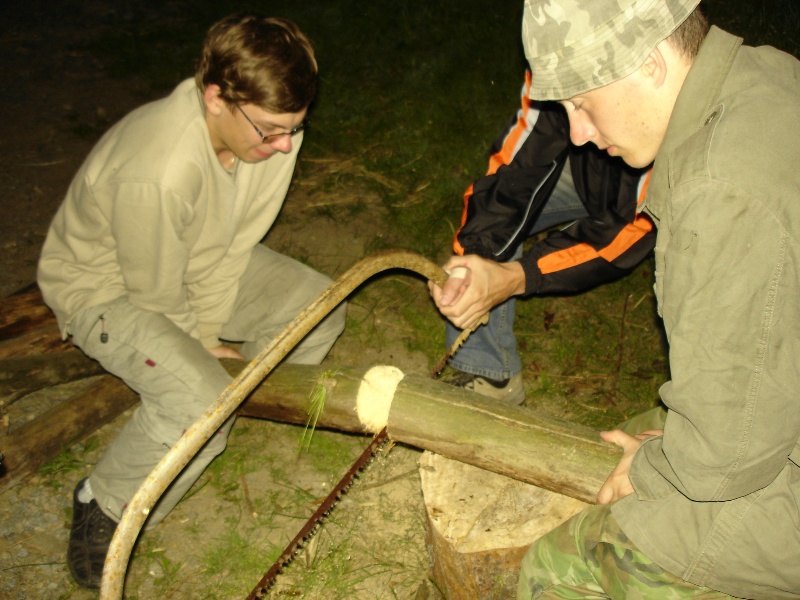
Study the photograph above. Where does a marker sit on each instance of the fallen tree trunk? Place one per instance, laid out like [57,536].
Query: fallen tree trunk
[37,442]
[519,443]
[27,326]
[427,414]
[21,375]
[23,310]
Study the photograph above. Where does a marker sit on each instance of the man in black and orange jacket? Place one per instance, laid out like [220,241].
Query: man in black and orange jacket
[536,180]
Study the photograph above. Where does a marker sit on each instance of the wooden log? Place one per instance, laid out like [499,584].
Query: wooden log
[427,414]
[24,309]
[21,375]
[479,526]
[35,342]
[27,326]
[41,440]
[563,457]
[557,455]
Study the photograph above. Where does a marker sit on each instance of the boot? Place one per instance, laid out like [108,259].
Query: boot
[89,539]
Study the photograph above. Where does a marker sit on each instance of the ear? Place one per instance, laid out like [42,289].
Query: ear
[212,100]
[655,67]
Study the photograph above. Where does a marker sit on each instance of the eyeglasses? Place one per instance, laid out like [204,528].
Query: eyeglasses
[272,136]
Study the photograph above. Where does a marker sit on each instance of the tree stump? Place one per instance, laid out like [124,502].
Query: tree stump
[480,524]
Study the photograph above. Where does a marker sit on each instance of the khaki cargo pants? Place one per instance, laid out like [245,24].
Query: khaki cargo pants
[177,379]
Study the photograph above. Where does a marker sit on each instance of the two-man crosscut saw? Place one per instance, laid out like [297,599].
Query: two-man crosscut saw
[311,526]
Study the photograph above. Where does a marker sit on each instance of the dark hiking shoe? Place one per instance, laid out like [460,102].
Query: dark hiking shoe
[509,391]
[89,540]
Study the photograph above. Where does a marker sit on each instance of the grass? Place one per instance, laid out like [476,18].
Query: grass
[231,578]
[317,397]
[224,557]
[595,358]
[67,462]
[342,560]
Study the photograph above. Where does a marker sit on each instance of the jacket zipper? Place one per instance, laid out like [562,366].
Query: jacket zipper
[527,212]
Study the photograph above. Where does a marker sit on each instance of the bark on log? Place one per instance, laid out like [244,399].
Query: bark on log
[44,340]
[27,325]
[480,524]
[23,310]
[21,375]
[519,443]
[427,414]
[39,441]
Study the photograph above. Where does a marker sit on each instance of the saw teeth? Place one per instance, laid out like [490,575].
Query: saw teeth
[325,508]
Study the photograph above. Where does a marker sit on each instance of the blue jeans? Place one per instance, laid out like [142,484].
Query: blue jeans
[491,350]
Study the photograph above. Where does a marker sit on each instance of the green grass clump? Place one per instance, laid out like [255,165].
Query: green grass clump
[595,358]
[235,578]
[316,404]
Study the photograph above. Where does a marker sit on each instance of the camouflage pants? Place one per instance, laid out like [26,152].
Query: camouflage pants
[589,556]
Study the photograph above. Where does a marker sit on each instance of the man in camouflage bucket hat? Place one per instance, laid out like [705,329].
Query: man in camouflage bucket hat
[704,504]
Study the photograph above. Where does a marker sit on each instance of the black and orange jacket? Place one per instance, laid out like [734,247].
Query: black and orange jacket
[525,164]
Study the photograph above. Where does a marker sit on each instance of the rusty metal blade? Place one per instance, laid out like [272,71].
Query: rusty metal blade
[311,525]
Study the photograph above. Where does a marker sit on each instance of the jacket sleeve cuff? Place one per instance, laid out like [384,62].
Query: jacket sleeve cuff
[646,480]
[533,276]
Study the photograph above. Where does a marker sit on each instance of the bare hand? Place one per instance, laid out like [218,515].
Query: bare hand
[485,285]
[223,351]
[618,485]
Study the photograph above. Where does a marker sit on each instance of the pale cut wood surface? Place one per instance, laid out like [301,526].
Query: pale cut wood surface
[480,524]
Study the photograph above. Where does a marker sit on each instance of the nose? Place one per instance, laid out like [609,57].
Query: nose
[282,143]
[580,128]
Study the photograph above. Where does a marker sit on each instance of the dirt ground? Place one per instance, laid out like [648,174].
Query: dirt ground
[251,502]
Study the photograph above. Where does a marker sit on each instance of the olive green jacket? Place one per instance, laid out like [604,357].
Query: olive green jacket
[717,498]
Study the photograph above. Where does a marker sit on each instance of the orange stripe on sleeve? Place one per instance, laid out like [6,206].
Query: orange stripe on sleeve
[583,253]
[500,158]
[506,153]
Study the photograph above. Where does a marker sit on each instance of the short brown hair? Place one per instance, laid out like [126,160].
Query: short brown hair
[258,60]
[689,35]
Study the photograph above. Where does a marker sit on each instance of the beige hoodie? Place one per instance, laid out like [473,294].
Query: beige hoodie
[152,215]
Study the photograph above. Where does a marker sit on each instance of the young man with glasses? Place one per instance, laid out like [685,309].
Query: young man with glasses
[154,257]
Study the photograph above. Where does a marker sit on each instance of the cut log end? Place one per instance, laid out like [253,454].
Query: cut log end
[480,525]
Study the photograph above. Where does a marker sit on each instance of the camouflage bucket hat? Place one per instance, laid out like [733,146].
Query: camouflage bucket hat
[574,46]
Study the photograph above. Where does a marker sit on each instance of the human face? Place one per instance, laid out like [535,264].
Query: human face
[271,137]
[617,118]
[250,133]
[264,133]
